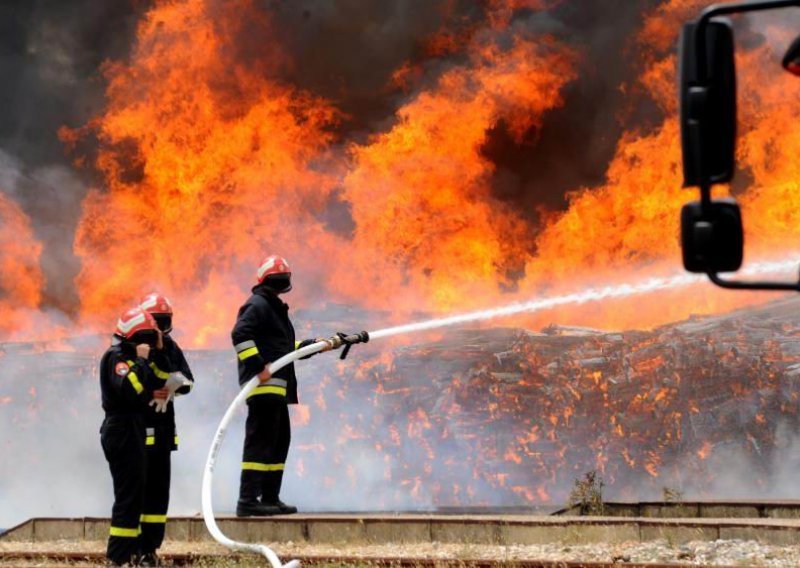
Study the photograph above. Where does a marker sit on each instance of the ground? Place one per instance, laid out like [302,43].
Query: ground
[717,553]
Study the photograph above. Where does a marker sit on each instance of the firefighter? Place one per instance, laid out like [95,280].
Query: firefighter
[169,365]
[127,385]
[262,334]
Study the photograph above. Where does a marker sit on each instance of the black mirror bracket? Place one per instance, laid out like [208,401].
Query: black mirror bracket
[706,203]
[738,285]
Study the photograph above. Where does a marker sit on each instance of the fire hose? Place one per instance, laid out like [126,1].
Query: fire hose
[334,342]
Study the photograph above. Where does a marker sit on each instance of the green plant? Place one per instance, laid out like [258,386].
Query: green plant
[587,494]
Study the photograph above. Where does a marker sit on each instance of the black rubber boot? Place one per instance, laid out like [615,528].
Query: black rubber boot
[256,509]
[149,559]
[283,507]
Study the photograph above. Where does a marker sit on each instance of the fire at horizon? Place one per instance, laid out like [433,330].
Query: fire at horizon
[206,158]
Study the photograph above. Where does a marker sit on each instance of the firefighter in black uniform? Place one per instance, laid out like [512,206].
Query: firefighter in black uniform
[127,385]
[262,334]
[170,366]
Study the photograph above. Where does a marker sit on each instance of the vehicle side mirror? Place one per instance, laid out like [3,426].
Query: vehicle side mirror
[791,61]
[712,236]
[708,103]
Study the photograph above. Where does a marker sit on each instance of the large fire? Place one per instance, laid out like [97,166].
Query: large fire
[208,158]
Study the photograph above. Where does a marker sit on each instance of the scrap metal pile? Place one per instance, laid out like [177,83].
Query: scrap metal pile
[494,417]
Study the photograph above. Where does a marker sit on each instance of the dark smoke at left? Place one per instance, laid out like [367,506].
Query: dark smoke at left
[51,53]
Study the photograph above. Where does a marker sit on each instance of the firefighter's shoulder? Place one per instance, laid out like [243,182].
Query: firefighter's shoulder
[118,363]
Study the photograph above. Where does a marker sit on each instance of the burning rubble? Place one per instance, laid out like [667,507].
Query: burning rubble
[479,417]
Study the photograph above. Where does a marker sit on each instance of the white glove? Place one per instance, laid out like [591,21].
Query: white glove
[174,382]
[161,404]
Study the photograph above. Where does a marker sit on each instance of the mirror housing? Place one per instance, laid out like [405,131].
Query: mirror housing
[711,231]
[712,236]
[707,103]
[791,61]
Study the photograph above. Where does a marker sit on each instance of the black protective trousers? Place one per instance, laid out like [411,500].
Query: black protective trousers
[266,445]
[156,498]
[123,441]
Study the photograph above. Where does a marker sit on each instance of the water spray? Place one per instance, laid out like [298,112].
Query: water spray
[347,341]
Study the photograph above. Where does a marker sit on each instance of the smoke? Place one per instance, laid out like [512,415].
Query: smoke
[470,418]
[52,52]
[576,142]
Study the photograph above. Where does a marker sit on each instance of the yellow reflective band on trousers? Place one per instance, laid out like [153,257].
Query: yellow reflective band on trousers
[159,373]
[160,519]
[268,390]
[296,345]
[150,441]
[255,466]
[247,353]
[176,440]
[125,533]
[134,379]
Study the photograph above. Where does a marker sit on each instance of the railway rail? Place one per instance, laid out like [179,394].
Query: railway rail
[210,559]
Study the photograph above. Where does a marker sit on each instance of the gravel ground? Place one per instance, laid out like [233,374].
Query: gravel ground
[700,553]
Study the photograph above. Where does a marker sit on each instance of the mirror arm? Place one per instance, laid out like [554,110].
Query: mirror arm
[736,285]
[728,9]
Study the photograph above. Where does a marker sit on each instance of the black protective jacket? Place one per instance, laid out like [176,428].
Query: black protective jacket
[261,335]
[161,425]
[126,381]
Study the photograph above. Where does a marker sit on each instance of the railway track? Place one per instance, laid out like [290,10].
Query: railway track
[44,558]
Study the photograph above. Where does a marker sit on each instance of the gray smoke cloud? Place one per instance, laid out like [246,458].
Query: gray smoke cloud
[50,65]
[470,418]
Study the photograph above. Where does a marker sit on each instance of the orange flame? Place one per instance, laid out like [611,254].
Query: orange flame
[21,277]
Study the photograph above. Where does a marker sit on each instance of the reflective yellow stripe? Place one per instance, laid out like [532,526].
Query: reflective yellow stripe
[176,440]
[255,466]
[247,353]
[296,345]
[159,373]
[150,441]
[268,390]
[137,386]
[154,518]
[128,533]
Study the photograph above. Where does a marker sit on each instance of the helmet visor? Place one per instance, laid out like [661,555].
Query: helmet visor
[164,322]
[147,336]
[279,283]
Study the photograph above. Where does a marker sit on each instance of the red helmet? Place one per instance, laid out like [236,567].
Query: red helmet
[135,321]
[160,308]
[271,266]
[155,303]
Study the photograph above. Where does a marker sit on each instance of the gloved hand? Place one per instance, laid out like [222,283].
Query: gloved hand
[307,342]
[174,382]
[161,399]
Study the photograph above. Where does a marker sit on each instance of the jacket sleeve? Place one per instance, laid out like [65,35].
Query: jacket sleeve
[183,367]
[132,379]
[243,336]
[305,343]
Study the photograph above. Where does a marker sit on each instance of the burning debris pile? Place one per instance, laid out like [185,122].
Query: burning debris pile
[487,417]
[502,416]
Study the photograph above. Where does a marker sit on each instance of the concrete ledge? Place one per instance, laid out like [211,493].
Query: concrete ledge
[697,509]
[398,532]
[23,532]
[678,534]
[466,532]
[58,529]
[482,529]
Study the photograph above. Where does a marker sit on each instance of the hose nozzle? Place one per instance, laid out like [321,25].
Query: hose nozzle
[341,339]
